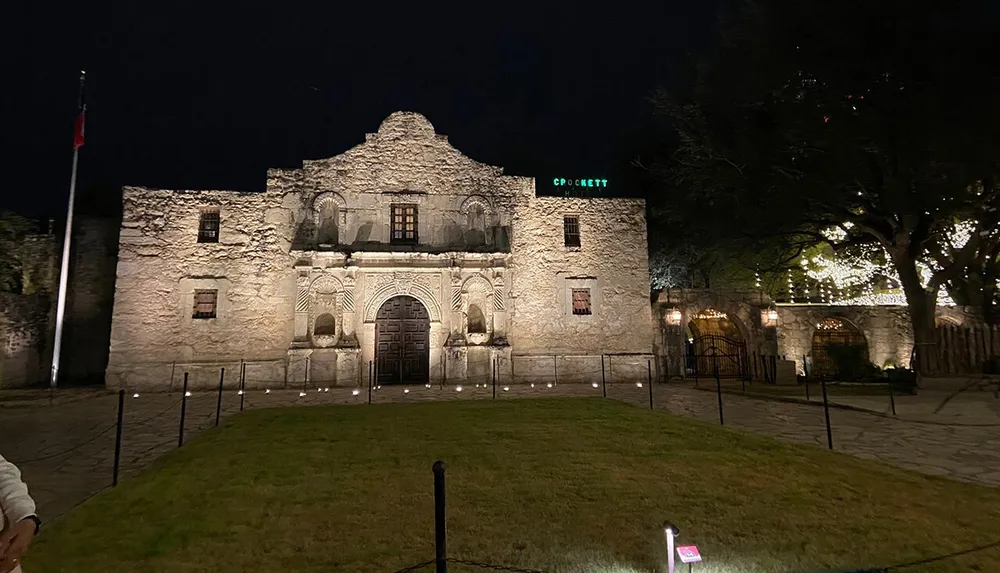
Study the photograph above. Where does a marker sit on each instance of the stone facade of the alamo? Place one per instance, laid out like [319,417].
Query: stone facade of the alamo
[400,255]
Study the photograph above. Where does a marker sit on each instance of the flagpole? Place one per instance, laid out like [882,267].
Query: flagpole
[64,263]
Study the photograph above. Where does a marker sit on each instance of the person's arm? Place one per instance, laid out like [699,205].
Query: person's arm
[15,503]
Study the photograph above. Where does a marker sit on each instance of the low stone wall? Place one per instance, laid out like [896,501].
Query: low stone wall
[583,368]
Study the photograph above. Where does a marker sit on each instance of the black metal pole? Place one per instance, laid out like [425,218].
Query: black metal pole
[243,383]
[892,399]
[718,387]
[494,378]
[371,380]
[440,530]
[807,389]
[826,411]
[184,401]
[555,370]
[604,381]
[369,373]
[118,437]
[649,382]
[218,405]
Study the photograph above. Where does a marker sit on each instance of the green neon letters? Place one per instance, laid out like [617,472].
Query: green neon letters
[563,182]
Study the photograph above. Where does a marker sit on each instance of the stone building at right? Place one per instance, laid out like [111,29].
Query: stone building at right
[747,335]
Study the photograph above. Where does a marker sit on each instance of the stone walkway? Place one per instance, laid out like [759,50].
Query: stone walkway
[64,442]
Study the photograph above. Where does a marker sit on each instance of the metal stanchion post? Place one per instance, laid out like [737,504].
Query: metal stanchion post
[218,404]
[649,382]
[604,381]
[440,529]
[494,378]
[718,387]
[555,370]
[243,383]
[826,411]
[180,434]
[118,437]
[892,399]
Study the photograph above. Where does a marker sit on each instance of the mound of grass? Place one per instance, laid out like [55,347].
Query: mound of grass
[569,485]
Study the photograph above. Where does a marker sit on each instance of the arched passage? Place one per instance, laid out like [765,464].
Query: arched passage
[833,330]
[715,342]
[402,341]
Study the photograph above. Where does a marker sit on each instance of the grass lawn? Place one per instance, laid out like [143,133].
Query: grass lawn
[567,485]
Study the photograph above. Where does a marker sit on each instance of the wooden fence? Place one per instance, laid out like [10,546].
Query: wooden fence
[968,349]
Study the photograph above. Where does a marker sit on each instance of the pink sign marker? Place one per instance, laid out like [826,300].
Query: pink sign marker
[689,554]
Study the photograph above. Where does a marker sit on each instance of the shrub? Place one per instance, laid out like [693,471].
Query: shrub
[852,363]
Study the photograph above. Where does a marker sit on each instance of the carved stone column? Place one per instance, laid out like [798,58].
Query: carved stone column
[499,306]
[348,305]
[302,309]
[457,322]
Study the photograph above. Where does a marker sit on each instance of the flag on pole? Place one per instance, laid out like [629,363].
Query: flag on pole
[78,129]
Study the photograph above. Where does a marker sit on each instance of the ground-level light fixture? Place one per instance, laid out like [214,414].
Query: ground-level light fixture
[549,385]
[506,388]
[638,384]
[355,392]
[301,394]
[594,384]
[427,385]
[670,531]
[406,390]
[187,394]
[267,391]
[673,316]
[136,395]
[458,388]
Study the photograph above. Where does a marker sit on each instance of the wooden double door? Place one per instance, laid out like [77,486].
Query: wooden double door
[402,342]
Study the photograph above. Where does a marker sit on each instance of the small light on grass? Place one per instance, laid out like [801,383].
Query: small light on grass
[187,394]
[301,394]
[406,390]
[638,384]
[355,392]
[594,384]
[268,391]
[506,388]
[136,395]
[427,385]
[458,388]
[549,385]
[238,393]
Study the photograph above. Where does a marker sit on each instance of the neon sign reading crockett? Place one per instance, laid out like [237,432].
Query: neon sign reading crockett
[560,182]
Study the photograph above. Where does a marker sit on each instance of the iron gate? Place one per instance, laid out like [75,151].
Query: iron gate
[711,351]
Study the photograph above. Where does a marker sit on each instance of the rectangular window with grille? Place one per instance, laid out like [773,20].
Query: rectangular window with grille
[404,224]
[581,301]
[208,226]
[571,231]
[205,302]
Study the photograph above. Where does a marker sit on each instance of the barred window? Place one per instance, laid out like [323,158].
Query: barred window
[571,231]
[208,226]
[581,301]
[205,303]
[404,224]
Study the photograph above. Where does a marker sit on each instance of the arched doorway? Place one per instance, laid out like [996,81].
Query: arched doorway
[715,342]
[402,341]
[833,330]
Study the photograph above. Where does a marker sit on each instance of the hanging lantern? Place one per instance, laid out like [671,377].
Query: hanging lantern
[673,317]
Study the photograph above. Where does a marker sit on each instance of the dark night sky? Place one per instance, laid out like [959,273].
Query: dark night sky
[198,97]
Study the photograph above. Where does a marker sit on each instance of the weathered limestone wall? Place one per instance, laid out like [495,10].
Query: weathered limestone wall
[26,356]
[317,242]
[160,264]
[886,329]
[90,299]
[611,262]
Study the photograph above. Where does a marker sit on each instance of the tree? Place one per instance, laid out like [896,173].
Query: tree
[874,118]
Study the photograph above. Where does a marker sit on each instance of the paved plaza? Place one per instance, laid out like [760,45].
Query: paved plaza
[64,441]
